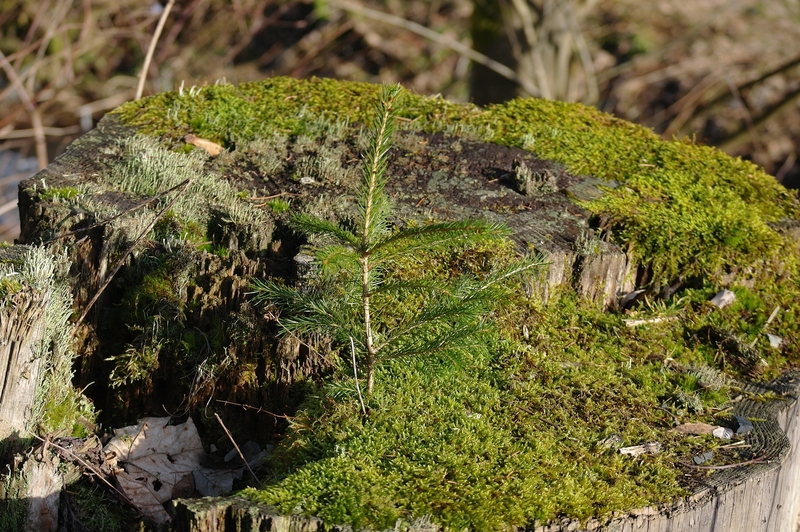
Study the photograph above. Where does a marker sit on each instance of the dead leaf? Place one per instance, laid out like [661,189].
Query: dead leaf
[155,457]
[212,148]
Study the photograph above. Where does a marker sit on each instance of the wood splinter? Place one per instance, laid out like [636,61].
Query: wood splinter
[212,148]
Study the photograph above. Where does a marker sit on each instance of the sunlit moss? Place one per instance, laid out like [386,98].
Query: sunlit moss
[684,209]
[513,434]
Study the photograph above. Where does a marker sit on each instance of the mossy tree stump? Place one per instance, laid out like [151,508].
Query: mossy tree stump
[183,289]
[609,205]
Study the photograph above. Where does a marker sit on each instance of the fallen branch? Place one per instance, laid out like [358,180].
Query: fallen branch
[647,321]
[99,474]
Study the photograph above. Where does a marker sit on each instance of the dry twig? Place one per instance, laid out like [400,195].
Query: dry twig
[758,460]
[150,49]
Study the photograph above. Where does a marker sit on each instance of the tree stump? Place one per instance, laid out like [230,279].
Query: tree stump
[165,236]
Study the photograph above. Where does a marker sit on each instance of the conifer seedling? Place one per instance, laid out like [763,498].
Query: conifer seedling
[353,273]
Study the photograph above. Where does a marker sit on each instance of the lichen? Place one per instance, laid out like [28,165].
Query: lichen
[58,407]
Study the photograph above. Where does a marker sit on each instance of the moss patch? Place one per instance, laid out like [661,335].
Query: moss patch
[512,436]
[684,209]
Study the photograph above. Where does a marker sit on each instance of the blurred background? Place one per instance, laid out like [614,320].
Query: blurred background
[724,72]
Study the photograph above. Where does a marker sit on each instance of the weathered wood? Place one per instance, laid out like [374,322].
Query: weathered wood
[22,329]
[235,513]
[44,491]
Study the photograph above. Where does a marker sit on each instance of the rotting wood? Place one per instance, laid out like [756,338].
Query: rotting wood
[44,490]
[22,329]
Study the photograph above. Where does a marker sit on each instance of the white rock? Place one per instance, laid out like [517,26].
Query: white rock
[722,433]
[775,341]
[723,298]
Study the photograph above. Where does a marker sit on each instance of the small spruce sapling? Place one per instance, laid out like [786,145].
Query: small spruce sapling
[353,273]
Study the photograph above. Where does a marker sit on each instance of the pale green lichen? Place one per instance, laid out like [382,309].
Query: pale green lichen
[57,406]
[145,168]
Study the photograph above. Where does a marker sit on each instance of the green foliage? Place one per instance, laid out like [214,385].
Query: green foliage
[13,504]
[512,434]
[154,312]
[97,511]
[684,209]
[137,363]
[278,205]
[349,301]
[70,413]
[9,286]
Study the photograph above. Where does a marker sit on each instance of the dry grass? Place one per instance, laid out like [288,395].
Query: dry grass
[726,71]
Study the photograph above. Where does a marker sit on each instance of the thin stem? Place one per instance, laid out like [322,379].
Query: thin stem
[239,451]
[355,375]
[152,48]
[97,471]
[371,352]
[436,37]
[123,213]
[121,261]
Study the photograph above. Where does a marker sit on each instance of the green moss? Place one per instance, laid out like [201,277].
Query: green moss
[684,209]
[215,249]
[510,437]
[13,503]
[71,414]
[136,364]
[513,434]
[9,286]
[56,194]
[97,511]
[279,205]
